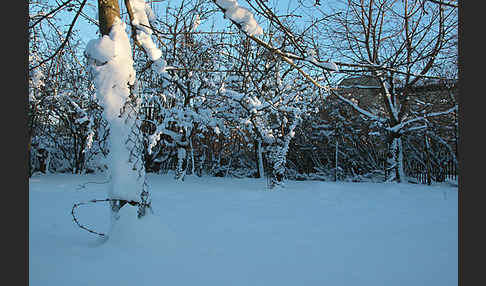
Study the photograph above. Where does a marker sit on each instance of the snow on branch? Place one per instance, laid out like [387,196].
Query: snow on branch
[240,15]
[137,10]
[417,128]
[244,22]
[450,110]
[397,127]
[393,108]
[361,110]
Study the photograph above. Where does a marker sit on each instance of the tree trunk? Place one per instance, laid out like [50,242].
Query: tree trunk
[259,155]
[427,160]
[397,157]
[192,157]
[48,161]
[108,11]
[336,162]
[128,180]
[181,164]
[278,159]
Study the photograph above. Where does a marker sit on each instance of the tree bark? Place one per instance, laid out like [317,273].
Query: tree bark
[108,11]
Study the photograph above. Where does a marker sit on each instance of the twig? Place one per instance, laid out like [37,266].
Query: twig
[50,13]
[65,40]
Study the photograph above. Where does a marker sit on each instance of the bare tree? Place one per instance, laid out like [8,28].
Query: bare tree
[398,43]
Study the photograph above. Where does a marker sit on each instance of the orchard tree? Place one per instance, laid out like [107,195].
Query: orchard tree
[268,99]
[111,64]
[398,43]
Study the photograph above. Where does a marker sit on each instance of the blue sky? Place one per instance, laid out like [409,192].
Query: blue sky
[89,31]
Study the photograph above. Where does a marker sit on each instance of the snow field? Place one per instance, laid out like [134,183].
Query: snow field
[222,231]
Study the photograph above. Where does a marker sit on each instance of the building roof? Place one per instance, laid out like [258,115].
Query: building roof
[360,82]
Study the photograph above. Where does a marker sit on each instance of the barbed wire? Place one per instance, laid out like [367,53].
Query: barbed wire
[123,202]
[82,226]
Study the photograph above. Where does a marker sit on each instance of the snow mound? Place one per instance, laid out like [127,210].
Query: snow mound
[132,232]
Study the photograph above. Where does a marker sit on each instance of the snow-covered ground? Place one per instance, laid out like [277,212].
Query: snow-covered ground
[222,231]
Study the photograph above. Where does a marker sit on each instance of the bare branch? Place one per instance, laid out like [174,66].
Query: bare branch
[66,39]
[50,13]
[443,3]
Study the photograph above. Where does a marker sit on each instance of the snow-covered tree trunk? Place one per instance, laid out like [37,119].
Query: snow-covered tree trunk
[112,66]
[48,161]
[278,159]
[261,171]
[336,161]
[400,173]
[395,161]
[181,163]
[192,157]
[278,153]
[201,160]
[427,159]
[393,106]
